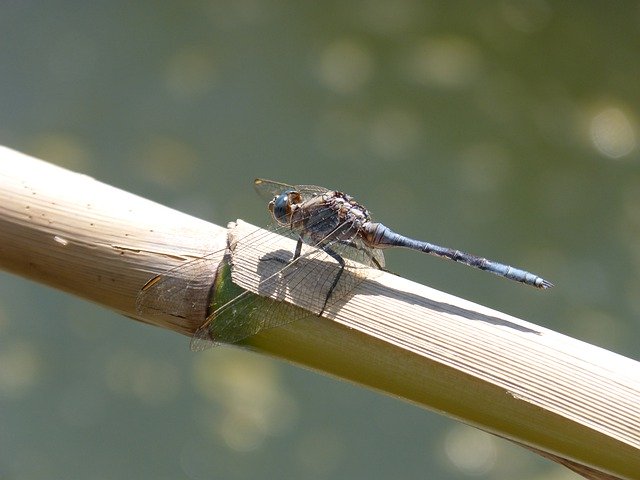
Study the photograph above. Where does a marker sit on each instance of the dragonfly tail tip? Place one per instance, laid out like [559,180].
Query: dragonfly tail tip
[544,284]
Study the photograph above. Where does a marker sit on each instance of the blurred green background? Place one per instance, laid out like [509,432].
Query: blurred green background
[506,128]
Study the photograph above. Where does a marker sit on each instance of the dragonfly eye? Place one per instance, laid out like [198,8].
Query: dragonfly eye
[280,207]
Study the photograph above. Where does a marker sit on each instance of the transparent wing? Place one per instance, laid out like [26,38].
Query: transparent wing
[175,291]
[308,191]
[307,280]
[247,314]
[268,189]
[356,250]
[179,291]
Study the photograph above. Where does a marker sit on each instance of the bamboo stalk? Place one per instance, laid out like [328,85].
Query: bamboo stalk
[570,401]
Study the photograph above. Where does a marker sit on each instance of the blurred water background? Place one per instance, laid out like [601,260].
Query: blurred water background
[506,128]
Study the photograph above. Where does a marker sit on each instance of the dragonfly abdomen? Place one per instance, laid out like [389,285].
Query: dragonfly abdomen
[380,236]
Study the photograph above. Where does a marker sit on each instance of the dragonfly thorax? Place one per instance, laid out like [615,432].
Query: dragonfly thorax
[347,208]
[331,216]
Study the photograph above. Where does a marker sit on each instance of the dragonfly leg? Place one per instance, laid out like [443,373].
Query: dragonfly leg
[367,253]
[298,249]
[280,260]
[375,262]
[341,261]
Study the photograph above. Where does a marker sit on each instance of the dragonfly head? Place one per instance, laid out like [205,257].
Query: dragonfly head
[281,206]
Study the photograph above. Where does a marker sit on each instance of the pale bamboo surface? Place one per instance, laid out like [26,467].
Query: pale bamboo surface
[74,233]
[534,386]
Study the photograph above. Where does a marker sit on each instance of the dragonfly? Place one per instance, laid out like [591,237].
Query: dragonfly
[333,233]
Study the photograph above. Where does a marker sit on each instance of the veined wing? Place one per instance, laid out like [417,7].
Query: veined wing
[268,189]
[305,282]
[244,313]
[175,292]
[288,290]
[356,250]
